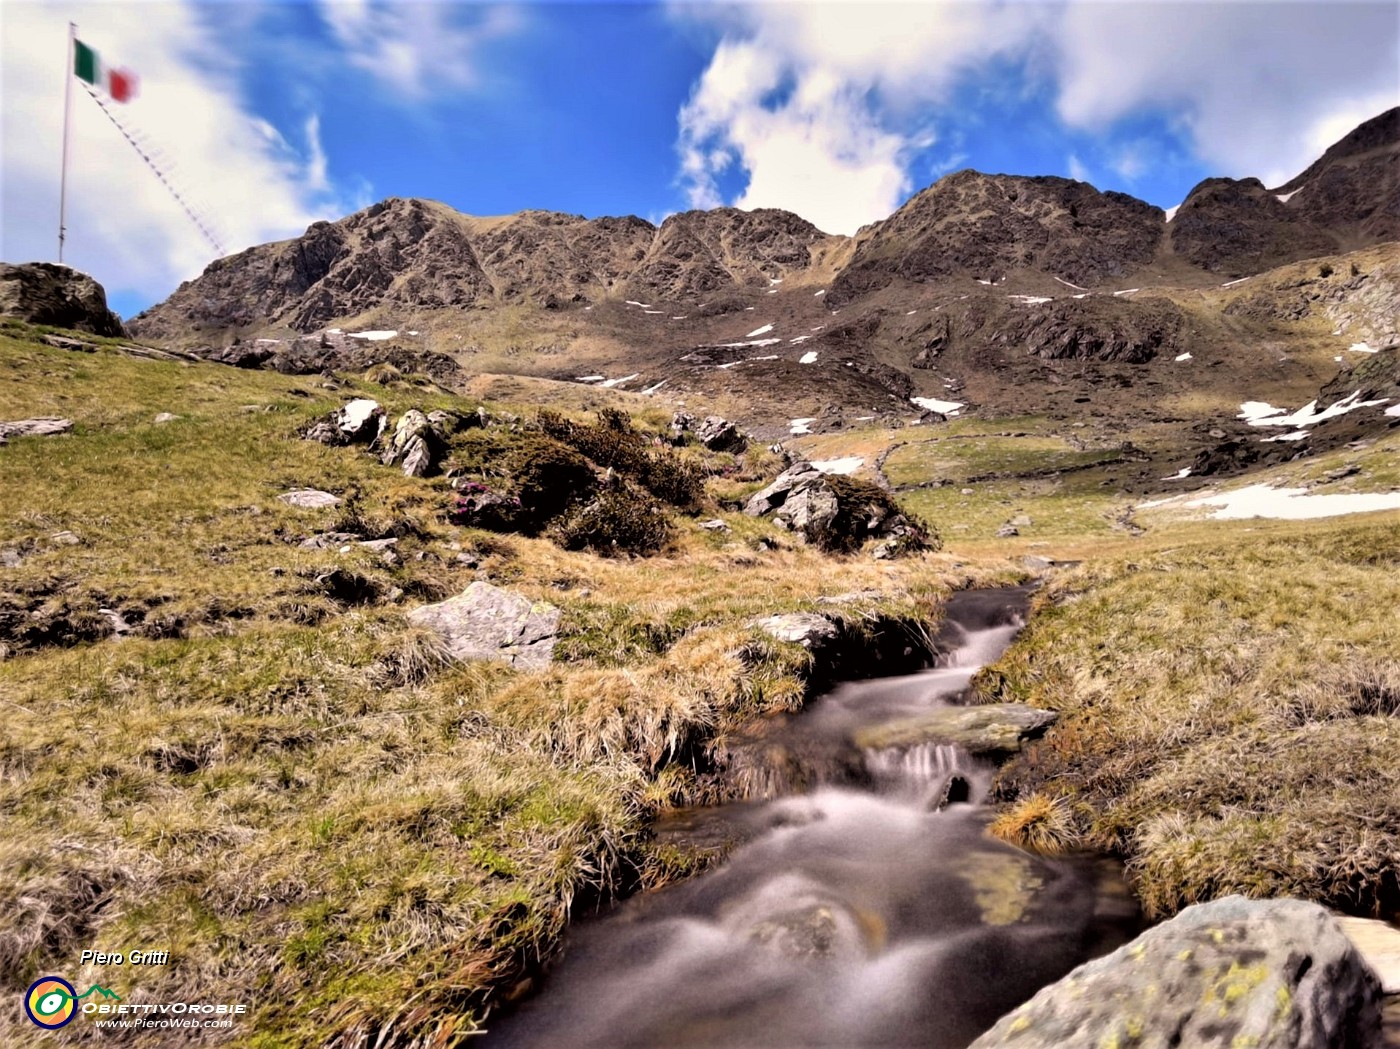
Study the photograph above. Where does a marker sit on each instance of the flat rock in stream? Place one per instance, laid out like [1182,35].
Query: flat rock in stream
[1268,974]
[996,728]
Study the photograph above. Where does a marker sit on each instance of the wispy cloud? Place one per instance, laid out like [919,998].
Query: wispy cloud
[418,49]
[247,181]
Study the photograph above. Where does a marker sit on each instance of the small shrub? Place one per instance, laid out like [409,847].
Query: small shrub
[1355,270]
[1325,270]
[549,478]
[620,521]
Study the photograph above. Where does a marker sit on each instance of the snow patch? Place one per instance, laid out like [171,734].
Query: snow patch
[1067,284]
[682,317]
[819,294]
[911,313]
[1031,300]
[754,342]
[800,426]
[1283,198]
[1127,291]
[373,336]
[759,331]
[1300,435]
[1185,471]
[634,302]
[589,378]
[1292,504]
[933,404]
[413,333]
[654,311]
[333,331]
[810,357]
[1232,283]
[609,384]
[1182,357]
[986,282]
[849,465]
[1258,413]
[1361,347]
[652,389]
[1171,211]
[1393,410]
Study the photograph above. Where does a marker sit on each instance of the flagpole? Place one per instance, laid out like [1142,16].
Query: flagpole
[67,113]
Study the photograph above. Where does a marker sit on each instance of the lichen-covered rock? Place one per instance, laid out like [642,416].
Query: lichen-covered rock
[838,513]
[486,622]
[416,446]
[720,435]
[1269,974]
[994,728]
[46,293]
[308,498]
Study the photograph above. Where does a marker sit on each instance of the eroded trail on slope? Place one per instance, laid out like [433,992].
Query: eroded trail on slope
[855,914]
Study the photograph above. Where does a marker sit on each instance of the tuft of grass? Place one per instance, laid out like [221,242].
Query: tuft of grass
[1040,822]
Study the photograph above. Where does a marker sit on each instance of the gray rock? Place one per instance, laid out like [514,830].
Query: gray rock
[805,628]
[715,525]
[46,293]
[1020,521]
[994,728]
[821,930]
[62,342]
[1269,974]
[45,426]
[165,417]
[776,494]
[65,538]
[720,435]
[11,558]
[1007,531]
[486,622]
[416,446]
[330,540]
[360,421]
[308,498]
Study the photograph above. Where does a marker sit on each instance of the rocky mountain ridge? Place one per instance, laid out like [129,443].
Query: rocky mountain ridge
[421,255]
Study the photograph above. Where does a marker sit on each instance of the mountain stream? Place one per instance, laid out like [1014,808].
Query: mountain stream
[871,909]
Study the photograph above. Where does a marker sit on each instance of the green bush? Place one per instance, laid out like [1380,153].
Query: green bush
[613,444]
[549,478]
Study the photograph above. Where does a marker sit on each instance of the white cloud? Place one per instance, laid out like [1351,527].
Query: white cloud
[1258,88]
[417,48]
[246,181]
[825,106]
[1077,169]
[819,104]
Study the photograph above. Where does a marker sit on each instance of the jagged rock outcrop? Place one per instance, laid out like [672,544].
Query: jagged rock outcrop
[47,293]
[1100,327]
[360,421]
[416,446]
[838,513]
[1271,974]
[986,225]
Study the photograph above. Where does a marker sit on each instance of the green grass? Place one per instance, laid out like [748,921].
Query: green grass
[1229,712]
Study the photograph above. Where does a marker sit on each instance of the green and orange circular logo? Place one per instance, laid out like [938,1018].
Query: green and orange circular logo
[51,1001]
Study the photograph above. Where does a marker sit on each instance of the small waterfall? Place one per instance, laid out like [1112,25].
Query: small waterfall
[936,774]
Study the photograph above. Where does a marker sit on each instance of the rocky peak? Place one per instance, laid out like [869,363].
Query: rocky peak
[982,225]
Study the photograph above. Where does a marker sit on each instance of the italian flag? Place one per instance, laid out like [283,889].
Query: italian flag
[120,84]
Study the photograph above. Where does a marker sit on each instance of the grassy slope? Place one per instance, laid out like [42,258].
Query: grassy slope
[293,794]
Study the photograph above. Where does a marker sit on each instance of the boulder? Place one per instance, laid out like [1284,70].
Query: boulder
[777,493]
[416,447]
[720,435]
[805,628]
[1269,974]
[486,622]
[46,293]
[995,728]
[360,421]
[62,342]
[308,498]
[45,426]
[837,513]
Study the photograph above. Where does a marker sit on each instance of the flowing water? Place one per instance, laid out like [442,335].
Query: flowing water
[871,909]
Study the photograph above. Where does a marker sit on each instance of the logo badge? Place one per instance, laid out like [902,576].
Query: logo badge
[51,1002]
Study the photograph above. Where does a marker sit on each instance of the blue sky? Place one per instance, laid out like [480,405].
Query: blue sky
[269,115]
